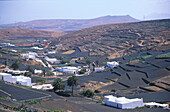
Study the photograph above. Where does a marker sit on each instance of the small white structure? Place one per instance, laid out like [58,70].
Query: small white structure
[51,52]
[59,45]
[7,44]
[26,81]
[14,71]
[37,48]
[43,87]
[112,64]
[5,77]
[38,71]
[152,104]
[122,102]
[52,60]
[99,69]
[13,50]
[30,55]
[71,70]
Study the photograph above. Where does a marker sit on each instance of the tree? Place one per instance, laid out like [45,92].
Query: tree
[49,74]
[58,84]
[88,61]
[129,57]
[44,72]
[40,80]
[97,62]
[82,71]
[28,74]
[30,69]
[15,65]
[63,61]
[72,81]
[88,93]
[6,63]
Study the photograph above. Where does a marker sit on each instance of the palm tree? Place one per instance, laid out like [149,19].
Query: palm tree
[72,81]
[58,84]
[15,65]
[6,63]
[44,72]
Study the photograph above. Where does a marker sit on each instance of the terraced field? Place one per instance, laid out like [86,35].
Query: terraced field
[117,40]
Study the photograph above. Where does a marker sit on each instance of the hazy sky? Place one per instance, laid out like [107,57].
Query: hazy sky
[25,10]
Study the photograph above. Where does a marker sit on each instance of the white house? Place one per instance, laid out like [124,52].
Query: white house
[122,102]
[30,55]
[52,60]
[71,70]
[112,64]
[26,81]
[14,71]
[7,44]
[38,71]
[37,48]
[51,52]
[43,87]
[6,77]
[99,69]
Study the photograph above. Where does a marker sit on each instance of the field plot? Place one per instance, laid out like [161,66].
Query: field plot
[69,52]
[21,94]
[99,77]
[161,96]
[154,75]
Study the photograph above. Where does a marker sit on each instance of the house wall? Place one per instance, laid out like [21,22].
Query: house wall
[132,105]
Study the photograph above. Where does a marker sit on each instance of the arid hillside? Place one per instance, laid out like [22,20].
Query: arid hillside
[116,40]
[68,25]
[25,32]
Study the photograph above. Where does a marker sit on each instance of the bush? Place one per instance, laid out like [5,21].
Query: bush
[40,80]
[50,74]
[33,102]
[88,93]
[82,71]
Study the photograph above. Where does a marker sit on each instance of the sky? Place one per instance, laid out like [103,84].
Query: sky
[12,11]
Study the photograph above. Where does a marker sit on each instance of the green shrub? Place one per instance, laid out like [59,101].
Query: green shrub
[40,80]
[148,56]
[163,55]
[88,93]
[82,71]
[33,102]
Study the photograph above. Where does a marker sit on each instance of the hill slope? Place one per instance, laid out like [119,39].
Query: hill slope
[117,40]
[25,32]
[71,24]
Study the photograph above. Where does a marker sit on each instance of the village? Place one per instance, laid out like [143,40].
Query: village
[45,67]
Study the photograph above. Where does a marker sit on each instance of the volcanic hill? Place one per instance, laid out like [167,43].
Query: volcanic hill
[117,40]
[25,32]
[69,25]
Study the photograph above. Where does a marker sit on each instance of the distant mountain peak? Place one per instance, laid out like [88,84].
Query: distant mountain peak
[68,25]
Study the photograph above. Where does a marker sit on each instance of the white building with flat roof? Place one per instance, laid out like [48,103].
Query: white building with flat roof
[5,77]
[43,87]
[52,60]
[69,69]
[112,64]
[30,55]
[122,102]
[38,71]
[99,69]
[37,48]
[26,81]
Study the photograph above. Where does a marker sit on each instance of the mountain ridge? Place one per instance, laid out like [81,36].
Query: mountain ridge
[25,32]
[68,25]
